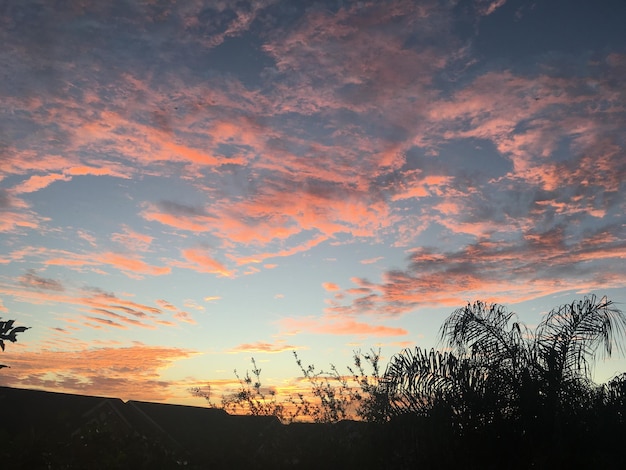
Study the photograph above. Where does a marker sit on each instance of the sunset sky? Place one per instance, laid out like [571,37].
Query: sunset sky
[186,185]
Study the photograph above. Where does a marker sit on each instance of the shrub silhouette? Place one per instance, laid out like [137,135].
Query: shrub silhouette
[335,397]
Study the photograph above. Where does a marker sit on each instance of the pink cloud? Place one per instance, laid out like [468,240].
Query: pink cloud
[339,326]
[36,182]
[422,186]
[487,7]
[543,263]
[264,347]
[116,316]
[16,214]
[85,170]
[14,220]
[131,240]
[260,257]
[166,305]
[75,262]
[185,221]
[379,72]
[131,266]
[184,317]
[199,260]
[330,286]
[104,308]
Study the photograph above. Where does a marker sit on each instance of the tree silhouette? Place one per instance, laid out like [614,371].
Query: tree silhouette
[496,381]
[496,368]
[8,332]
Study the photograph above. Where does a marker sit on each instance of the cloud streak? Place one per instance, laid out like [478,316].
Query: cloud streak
[340,326]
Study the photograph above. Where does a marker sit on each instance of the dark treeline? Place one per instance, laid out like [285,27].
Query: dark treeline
[496,394]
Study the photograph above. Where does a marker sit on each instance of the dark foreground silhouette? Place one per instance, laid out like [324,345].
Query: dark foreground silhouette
[61,431]
[498,395]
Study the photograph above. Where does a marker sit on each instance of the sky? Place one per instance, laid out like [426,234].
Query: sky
[187,185]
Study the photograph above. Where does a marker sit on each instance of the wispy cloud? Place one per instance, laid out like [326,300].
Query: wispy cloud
[264,347]
[16,213]
[339,326]
[541,263]
[132,241]
[132,265]
[200,260]
[32,280]
[94,307]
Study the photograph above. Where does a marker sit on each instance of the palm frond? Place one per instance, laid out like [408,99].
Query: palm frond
[486,332]
[569,337]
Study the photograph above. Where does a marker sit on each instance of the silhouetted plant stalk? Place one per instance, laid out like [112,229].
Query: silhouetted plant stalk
[330,396]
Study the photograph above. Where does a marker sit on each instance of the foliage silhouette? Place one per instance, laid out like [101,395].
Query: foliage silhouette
[494,391]
[8,332]
[497,378]
[335,397]
[495,367]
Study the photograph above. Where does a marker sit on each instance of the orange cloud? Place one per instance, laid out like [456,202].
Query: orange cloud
[260,257]
[15,213]
[13,220]
[334,326]
[36,182]
[264,347]
[185,218]
[198,260]
[130,373]
[85,170]
[330,286]
[131,266]
[166,305]
[184,317]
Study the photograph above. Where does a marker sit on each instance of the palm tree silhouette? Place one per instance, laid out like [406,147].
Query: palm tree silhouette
[497,381]
[494,367]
